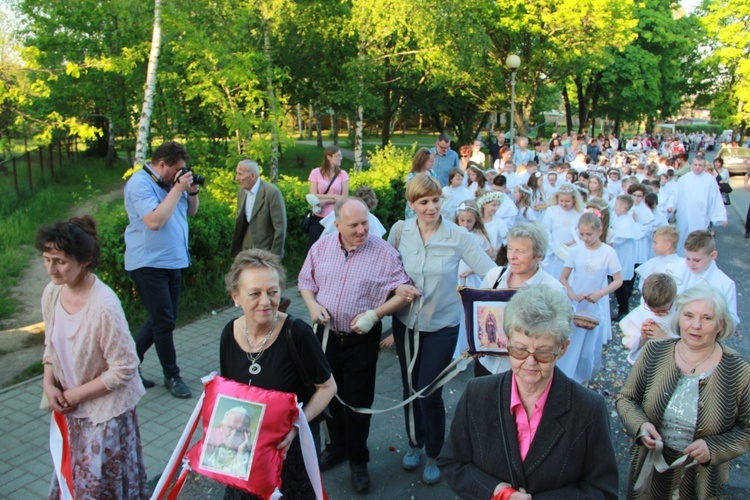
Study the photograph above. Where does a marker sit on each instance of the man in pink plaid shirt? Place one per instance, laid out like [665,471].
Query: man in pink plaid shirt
[346,282]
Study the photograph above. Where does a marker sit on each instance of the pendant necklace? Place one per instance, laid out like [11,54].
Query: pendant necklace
[261,346]
[702,361]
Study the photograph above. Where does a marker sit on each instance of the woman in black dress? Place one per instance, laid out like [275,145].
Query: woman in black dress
[254,350]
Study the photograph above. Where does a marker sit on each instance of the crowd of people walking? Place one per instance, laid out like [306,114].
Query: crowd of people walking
[582,228]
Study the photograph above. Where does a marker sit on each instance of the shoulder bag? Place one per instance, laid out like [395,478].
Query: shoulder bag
[307,219]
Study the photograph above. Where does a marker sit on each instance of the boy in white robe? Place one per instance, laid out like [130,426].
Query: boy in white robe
[652,319]
[701,268]
[666,261]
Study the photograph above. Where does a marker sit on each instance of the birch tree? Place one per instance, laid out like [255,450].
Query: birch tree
[144,123]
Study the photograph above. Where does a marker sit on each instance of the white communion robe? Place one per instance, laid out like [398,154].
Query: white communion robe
[698,203]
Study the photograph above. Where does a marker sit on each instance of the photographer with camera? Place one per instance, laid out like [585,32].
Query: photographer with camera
[158,199]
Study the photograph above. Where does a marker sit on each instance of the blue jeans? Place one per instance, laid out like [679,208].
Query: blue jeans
[435,353]
[160,292]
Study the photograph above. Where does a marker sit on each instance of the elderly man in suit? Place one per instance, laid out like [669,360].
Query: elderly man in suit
[261,213]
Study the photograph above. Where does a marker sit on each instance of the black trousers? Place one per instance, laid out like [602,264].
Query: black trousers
[353,359]
[160,292]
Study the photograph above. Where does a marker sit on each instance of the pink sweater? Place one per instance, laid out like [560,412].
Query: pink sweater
[102,346]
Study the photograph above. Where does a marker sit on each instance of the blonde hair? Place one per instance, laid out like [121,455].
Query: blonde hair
[669,233]
[568,188]
[422,185]
[470,206]
[600,208]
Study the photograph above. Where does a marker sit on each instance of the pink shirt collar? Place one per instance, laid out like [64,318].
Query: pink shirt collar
[526,427]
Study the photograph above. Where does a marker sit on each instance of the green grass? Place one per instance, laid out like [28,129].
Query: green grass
[20,221]
[34,369]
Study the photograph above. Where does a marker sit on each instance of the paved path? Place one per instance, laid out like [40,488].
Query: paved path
[26,466]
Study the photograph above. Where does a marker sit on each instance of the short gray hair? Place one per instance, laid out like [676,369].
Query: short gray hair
[342,201]
[713,297]
[250,166]
[534,232]
[539,310]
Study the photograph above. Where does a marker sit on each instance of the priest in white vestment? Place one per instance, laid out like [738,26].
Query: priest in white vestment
[698,202]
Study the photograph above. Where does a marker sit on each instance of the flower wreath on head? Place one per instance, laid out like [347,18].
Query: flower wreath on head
[525,189]
[491,196]
[593,211]
[615,171]
[580,189]
[566,188]
[600,177]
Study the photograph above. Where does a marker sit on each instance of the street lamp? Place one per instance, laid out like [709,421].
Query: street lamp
[512,62]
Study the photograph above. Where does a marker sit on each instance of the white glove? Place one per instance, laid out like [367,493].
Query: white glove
[367,321]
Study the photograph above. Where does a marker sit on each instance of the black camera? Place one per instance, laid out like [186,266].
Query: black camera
[197,179]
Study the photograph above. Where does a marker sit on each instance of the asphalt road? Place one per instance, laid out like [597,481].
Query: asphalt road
[387,436]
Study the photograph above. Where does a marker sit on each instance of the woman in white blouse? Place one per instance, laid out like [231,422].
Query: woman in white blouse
[431,248]
[90,366]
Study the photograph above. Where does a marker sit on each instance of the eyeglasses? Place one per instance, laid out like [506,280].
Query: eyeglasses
[541,356]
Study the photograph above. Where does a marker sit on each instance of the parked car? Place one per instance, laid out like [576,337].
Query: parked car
[736,159]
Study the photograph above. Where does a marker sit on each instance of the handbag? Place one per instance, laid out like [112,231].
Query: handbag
[307,218]
[309,385]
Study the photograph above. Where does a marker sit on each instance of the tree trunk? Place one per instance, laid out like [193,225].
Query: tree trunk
[568,109]
[309,121]
[419,130]
[110,161]
[299,120]
[386,110]
[318,126]
[583,105]
[438,123]
[144,123]
[358,138]
[335,128]
[271,105]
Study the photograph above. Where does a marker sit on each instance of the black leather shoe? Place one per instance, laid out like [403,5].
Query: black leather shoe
[148,384]
[328,460]
[177,387]
[360,477]
[747,234]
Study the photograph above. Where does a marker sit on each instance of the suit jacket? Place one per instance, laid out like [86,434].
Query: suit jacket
[267,227]
[571,455]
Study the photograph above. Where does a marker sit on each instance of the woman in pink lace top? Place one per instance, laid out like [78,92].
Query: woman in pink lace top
[90,366]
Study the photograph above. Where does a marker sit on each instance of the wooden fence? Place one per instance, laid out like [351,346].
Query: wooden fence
[34,169]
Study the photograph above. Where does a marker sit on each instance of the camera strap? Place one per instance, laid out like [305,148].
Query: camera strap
[156,177]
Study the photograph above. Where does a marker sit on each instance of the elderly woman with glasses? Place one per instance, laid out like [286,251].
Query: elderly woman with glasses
[532,431]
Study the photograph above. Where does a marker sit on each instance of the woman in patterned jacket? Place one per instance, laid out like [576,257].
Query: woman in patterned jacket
[687,404]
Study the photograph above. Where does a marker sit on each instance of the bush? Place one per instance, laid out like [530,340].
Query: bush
[209,242]
[388,169]
[212,228]
[709,128]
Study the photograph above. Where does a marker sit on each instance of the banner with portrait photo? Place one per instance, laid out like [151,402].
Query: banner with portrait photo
[484,312]
[242,425]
